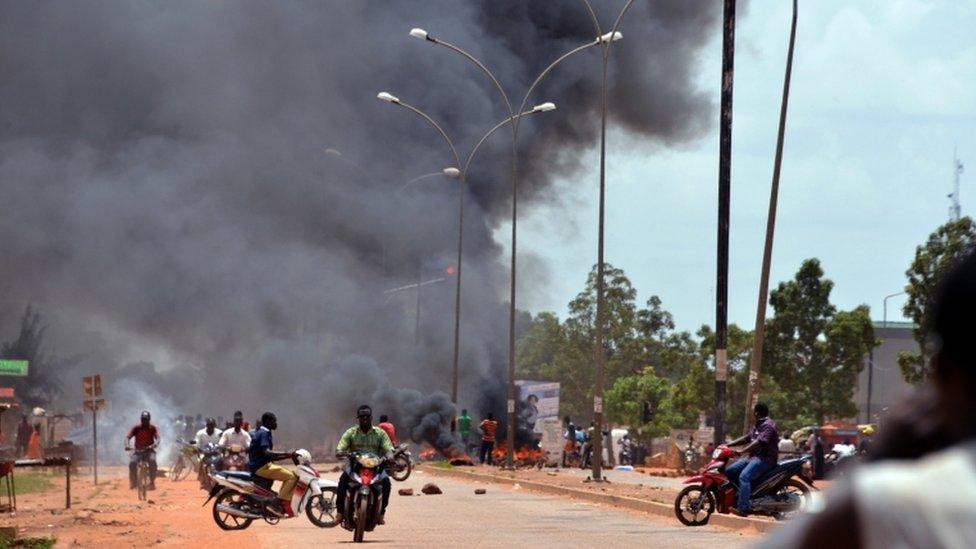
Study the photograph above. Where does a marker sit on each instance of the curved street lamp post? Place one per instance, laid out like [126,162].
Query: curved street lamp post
[601,39]
[462,176]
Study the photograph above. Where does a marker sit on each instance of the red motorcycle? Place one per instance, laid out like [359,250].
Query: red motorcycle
[776,493]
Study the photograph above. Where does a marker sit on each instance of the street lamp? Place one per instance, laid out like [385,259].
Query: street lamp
[604,40]
[450,172]
[454,172]
[600,40]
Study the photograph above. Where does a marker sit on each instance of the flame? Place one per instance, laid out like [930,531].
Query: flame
[523,455]
[428,453]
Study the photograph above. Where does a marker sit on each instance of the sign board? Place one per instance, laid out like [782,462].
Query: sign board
[92,386]
[13,368]
[6,392]
[553,442]
[93,405]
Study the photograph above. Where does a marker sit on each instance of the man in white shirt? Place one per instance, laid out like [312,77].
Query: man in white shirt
[208,435]
[236,435]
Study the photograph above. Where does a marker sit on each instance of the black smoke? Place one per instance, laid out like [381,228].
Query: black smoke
[165,195]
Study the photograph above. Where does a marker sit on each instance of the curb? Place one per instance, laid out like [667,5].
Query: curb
[634,504]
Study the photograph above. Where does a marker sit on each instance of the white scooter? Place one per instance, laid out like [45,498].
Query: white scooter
[242,497]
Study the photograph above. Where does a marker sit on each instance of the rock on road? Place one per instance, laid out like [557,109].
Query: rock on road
[503,517]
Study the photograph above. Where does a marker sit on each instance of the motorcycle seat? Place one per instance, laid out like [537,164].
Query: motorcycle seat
[781,466]
[240,475]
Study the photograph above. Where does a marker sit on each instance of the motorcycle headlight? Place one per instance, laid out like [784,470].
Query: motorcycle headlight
[716,453]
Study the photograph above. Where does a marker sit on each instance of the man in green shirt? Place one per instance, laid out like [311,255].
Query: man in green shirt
[464,427]
[362,439]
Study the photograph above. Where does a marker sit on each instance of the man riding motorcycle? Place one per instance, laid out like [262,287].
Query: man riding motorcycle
[261,454]
[204,437]
[364,438]
[763,451]
[237,435]
[147,437]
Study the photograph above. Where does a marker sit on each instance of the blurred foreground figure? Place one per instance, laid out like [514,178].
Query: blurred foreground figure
[920,490]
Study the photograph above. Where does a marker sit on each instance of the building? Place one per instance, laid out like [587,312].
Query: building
[881,372]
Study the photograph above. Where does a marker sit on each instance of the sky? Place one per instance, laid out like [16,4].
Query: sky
[882,94]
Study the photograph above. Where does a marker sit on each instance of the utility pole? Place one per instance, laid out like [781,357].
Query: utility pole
[724,190]
[954,210]
[752,392]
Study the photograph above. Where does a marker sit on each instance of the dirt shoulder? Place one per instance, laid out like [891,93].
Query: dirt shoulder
[111,515]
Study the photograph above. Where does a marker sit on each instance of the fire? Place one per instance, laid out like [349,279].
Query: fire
[428,453]
[524,456]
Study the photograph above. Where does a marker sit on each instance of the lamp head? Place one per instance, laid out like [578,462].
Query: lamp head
[388,97]
[418,33]
[452,172]
[610,37]
[544,107]
[332,152]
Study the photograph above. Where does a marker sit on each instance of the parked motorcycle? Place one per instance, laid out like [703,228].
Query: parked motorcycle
[777,493]
[242,497]
[402,463]
[365,497]
[235,458]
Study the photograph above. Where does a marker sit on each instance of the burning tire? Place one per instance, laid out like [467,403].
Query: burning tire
[694,505]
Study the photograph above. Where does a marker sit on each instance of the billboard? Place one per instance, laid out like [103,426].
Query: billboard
[13,368]
[539,400]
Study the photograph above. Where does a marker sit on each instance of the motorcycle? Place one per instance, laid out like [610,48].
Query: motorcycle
[242,497]
[209,464]
[402,464]
[364,499]
[776,493]
[235,458]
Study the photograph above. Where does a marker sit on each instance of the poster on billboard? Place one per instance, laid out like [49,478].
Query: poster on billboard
[538,400]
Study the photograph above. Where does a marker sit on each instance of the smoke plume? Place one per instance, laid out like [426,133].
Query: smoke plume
[166,197]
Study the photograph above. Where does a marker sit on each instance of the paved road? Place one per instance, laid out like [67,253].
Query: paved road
[503,517]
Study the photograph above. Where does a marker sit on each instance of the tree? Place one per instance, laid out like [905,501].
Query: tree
[943,247]
[813,352]
[41,385]
[624,401]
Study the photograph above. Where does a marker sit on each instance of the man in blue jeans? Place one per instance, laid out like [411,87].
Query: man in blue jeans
[763,451]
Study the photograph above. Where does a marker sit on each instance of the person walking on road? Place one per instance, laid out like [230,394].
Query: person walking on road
[464,427]
[488,428]
[388,428]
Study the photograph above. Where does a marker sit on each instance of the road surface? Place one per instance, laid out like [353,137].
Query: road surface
[504,517]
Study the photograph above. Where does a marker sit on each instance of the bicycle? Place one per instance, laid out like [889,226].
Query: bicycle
[143,477]
[187,460]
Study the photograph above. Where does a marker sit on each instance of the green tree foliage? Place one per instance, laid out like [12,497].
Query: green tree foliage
[943,247]
[625,399]
[813,352]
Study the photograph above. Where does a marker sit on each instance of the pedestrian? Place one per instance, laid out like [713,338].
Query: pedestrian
[24,431]
[815,443]
[34,443]
[388,428]
[488,428]
[464,427]
[588,445]
[917,490]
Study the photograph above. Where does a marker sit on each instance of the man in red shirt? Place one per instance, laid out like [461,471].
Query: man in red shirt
[388,427]
[147,437]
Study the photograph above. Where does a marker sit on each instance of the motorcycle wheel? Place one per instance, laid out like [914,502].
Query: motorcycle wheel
[793,487]
[226,521]
[321,509]
[401,468]
[691,503]
[361,516]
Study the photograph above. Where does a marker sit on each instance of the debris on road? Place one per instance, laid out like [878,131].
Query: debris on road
[431,489]
[405,491]
[480,491]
